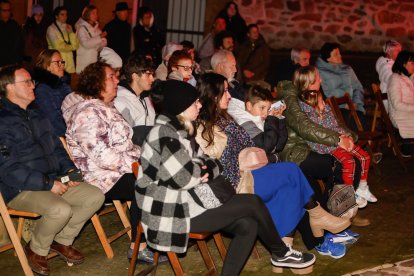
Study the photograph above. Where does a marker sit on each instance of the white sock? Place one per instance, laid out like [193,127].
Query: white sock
[363,185]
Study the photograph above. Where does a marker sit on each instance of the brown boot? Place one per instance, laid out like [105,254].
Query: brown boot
[36,262]
[68,253]
[297,271]
[320,219]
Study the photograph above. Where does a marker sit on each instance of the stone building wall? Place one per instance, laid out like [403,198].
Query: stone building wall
[358,25]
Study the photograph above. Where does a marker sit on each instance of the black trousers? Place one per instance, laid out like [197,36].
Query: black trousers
[351,124]
[124,189]
[244,217]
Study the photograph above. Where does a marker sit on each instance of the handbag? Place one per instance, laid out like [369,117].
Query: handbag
[213,193]
[341,202]
[252,158]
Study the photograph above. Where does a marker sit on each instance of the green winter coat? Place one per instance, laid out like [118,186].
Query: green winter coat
[301,128]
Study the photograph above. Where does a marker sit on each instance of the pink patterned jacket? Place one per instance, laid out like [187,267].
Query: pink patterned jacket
[100,142]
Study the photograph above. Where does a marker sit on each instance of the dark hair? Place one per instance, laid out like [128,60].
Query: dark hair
[219,37]
[310,97]
[401,60]
[327,49]
[138,64]
[57,10]
[211,88]
[187,45]
[7,76]
[92,80]
[250,26]
[176,57]
[5,2]
[143,10]
[235,6]
[44,59]
[257,93]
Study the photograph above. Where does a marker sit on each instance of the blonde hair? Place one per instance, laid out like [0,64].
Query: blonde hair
[187,124]
[304,77]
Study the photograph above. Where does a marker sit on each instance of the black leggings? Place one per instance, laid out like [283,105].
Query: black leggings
[124,189]
[245,217]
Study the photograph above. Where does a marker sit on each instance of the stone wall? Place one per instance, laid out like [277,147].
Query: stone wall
[358,25]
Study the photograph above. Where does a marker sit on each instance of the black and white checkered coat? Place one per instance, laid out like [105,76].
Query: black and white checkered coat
[168,170]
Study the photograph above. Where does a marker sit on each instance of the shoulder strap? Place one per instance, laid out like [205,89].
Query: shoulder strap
[61,33]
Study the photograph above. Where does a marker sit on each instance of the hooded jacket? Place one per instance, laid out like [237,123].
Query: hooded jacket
[337,79]
[90,43]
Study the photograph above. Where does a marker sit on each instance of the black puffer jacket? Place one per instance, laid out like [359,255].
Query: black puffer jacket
[30,154]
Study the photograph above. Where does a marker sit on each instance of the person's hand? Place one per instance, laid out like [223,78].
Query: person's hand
[346,142]
[248,74]
[73,184]
[204,178]
[69,28]
[59,188]
[103,34]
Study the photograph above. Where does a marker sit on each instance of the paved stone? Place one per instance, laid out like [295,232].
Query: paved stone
[403,268]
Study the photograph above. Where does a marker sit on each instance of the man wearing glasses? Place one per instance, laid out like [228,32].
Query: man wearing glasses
[11,46]
[34,174]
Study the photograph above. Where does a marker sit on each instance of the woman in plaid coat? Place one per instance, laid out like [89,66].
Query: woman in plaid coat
[175,199]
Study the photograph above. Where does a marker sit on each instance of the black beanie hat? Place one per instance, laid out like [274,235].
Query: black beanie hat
[327,49]
[172,96]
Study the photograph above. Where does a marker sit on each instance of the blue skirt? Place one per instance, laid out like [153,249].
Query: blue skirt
[285,191]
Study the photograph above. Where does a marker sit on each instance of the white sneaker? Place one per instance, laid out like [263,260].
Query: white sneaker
[360,201]
[365,193]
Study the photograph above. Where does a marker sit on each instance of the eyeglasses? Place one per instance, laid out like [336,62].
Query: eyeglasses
[186,68]
[28,82]
[59,62]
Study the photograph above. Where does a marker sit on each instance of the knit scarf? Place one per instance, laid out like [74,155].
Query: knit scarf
[237,140]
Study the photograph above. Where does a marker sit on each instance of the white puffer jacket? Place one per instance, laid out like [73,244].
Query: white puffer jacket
[90,43]
[401,104]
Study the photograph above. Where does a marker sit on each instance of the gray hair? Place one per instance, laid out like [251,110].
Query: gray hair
[219,57]
[390,45]
[295,53]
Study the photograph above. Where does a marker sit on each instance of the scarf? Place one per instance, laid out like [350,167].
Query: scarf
[237,140]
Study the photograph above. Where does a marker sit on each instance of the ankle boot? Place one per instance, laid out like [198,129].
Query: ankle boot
[321,220]
[297,271]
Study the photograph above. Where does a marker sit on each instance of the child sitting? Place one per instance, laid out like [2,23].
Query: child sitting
[313,105]
[265,125]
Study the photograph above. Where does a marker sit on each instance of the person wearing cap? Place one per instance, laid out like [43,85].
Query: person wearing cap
[132,99]
[12,43]
[91,38]
[338,79]
[119,31]
[174,195]
[34,34]
[61,37]
[162,70]
[148,38]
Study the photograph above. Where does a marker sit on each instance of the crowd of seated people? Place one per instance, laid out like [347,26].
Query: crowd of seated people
[187,125]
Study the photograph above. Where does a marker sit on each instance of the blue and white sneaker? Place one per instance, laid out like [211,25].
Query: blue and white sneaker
[329,248]
[345,237]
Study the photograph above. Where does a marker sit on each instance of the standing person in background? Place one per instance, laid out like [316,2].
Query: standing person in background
[11,46]
[148,38]
[119,31]
[61,37]
[34,35]
[91,38]
[234,22]
[253,55]
[207,46]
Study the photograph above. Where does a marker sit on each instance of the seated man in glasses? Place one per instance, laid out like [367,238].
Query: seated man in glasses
[37,175]
[180,67]
[132,99]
